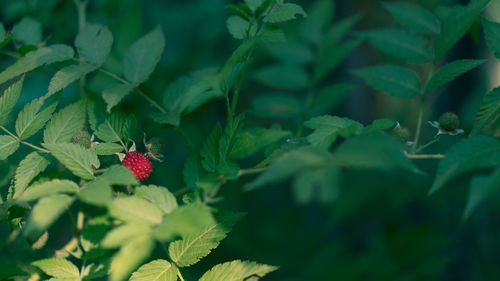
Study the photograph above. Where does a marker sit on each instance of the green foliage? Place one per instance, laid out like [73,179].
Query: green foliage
[33,117]
[59,268]
[391,79]
[488,111]
[94,43]
[237,271]
[155,270]
[413,17]
[9,98]
[451,71]
[492,35]
[32,165]
[65,123]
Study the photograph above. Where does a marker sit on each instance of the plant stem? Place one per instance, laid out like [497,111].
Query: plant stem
[179,274]
[182,191]
[8,132]
[425,156]
[419,125]
[250,171]
[428,144]
[35,147]
[82,21]
[185,137]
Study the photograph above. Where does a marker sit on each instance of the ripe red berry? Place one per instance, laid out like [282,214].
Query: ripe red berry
[139,164]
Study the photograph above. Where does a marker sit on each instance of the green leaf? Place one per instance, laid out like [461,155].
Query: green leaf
[238,27]
[413,17]
[119,175]
[227,140]
[106,148]
[327,128]
[328,60]
[210,150]
[35,59]
[47,188]
[400,43]
[66,76]
[283,76]
[115,127]
[271,35]
[130,256]
[489,110]
[329,97]
[32,117]
[292,52]
[44,213]
[78,160]
[122,234]
[142,56]
[192,248]
[32,165]
[94,43]
[28,31]
[157,270]
[65,123]
[9,98]
[492,35]
[468,154]
[8,145]
[481,188]
[277,106]
[322,184]
[249,143]
[393,80]
[97,192]
[113,95]
[379,125]
[135,209]
[451,71]
[58,267]
[193,170]
[158,195]
[455,24]
[237,271]
[320,15]
[169,118]
[284,12]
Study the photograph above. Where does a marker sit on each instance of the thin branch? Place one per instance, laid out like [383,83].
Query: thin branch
[425,156]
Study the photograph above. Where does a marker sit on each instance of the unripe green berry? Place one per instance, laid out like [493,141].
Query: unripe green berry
[401,133]
[449,121]
[155,146]
[82,138]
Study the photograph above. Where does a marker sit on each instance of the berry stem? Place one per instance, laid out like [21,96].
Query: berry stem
[422,147]
[425,156]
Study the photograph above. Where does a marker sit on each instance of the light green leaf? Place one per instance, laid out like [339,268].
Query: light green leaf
[489,110]
[400,43]
[122,234]
[8,145]
[327,128]
[47,188]
[413,17]
[238,27]
[106,148]
[468,154]
[94,43]
[65,123]
[391,79]
[142,56]
[328,60]
[9,98]
[492,35]
[119,175]
[237,271]
[456,23]
[284,12]
[66,76]
[32,117]
[130,256]
[44,213]
[277,106]
[192,248]
[157,270]
[451,71]
[32,165]
[249,143]
[113,95]
[158,195]
[28,31]
[135,209]
[481,188]
[78,160]
[35,59]
[97,192]
[283,76]
[58,267]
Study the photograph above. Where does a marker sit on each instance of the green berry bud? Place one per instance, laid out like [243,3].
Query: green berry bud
[401,133]
[154,146]
[449,121]
[82,138]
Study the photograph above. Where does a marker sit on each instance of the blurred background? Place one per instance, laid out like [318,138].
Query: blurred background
[383,226]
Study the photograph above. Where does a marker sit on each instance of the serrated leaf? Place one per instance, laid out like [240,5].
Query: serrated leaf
[47,188]
[192,248]
[472,153]
[106,148]
[400,43]
[413,17]
[94,43]
[130,256]
[237,271]
[379,125]
[210,150]
[119,175]
[8,145]
[328,60]
[65,123]
[481,188]
[135,209]
[9,98]
[451,71]
[238,27]
[66,76]
[35,59]
[32,117]
[78,160]
[227,140]
[249,143]
[113,95]
[393,80]
[193,170]
[488,111]
[327,128]
[283,76]
[158,195]
[142,56]
[115,127]
[97,192]
[44,213]
[58,267]
[492,35]
[122,234]
[455,24]
[32,165]
[284,12]
[277,106]
[157,270]
[28,31]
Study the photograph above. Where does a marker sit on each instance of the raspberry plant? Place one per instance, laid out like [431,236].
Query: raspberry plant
[125,226]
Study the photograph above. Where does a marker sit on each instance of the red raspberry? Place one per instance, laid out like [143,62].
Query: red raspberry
[139,164]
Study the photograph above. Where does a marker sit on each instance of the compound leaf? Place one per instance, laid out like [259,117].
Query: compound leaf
[94,43]
[32,165]
[451,71]
[237,271]
[413,17]
[78,160]
[65,123]
[9,98]
[157,270]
